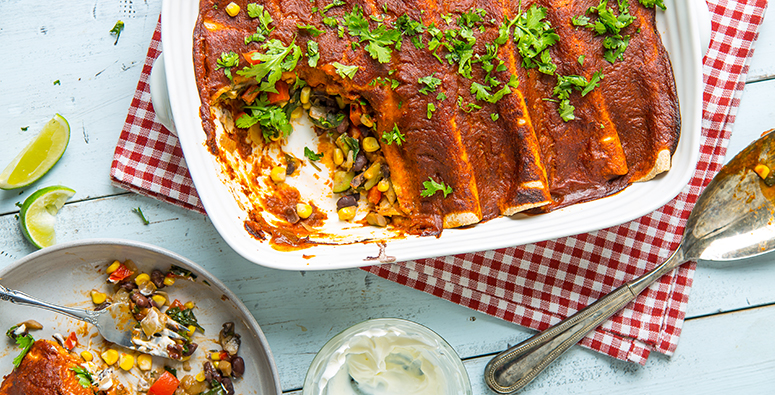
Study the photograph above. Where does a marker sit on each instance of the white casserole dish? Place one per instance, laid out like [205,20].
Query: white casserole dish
[680,27]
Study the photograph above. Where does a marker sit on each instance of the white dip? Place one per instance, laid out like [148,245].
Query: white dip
[385,361]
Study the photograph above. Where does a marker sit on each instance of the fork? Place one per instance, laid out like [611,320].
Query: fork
[115,323]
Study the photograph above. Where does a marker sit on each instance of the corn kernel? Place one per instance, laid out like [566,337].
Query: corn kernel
[169,280]
[200,377]
[338,157]
[189,305]
[142,278]
[215,364]
[366,120]
[762,170]
[144,362]
[86,355]
[304,97]
[215,356]
[113,267]
[296,114]
[306,105]
[383,185]
[373,171]
[126,361]
[191,330]
[370,144]
[98,297]
[347,213]
[232,9]
[304,210]
[160,300]
[278,174]
[340,102]
[110,356]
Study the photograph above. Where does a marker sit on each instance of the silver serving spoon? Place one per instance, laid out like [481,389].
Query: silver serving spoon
[115,323]
[733,219]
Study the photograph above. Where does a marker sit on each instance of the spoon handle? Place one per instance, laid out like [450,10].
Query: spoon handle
[514,368]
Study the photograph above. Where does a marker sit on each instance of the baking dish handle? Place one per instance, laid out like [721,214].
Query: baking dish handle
[160,95]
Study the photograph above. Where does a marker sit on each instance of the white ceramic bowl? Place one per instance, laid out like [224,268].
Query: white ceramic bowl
[680,28]
[439,357]
[66,273]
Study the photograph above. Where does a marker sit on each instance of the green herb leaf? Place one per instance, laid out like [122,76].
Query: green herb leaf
[84,377]
[227,61]
[277,59]
[431,84]
[566,85]
[117,29]
[312,30]
[345,71]
[652,3]
[431,109]
[273,120]
[184,317]
[335,3]
[311,155]
[533,35]
[581,59]
[495,116]
[441,96]
[312,54]
[431,187]
[393,136]
[57,82]
[378,39]
[615,47]
[264,19]
[25,343]
[25,128]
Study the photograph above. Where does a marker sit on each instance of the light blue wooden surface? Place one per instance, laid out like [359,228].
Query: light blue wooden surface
[726,345]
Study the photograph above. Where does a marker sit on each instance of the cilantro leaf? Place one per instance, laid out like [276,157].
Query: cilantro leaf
[566,85]
[264,19]
[378,39]
[25,343]
[335,3]
[345,71]
[615,47]
[312,30]
[495,116]
[483,93]
[441,96]
[312,53]
[273,120]
[84,377]
[184,317]
[533,36]
[227,61]
[431,84]
[117,29]
[277,59]
[431,187]
[311,155]
[393,136]
[652,3]
[431,109]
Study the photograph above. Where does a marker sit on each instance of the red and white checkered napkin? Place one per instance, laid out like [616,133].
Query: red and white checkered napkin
[539,284]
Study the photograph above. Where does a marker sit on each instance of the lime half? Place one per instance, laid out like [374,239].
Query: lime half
[39,156]
[38,214]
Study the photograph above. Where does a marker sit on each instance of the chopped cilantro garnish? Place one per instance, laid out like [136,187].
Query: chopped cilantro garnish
[84,377]
[117,29]
[141,215]
[378,39]
[277,59]
[566,85]
[609,24]
[533,35]
[483,93]
[25,128]
[615,47]
[652,3]
[227,61]
[385,81]
[25,343]
[430,82]
[495,116]
[393,136]
[412,29]
[311,155]
[335,3]
[431,187]
[312,30]
[441,96]
[273,120]
[57,82]
[184,317]
[264,19]
[581,59]
[330,21]
[467,107]
[312,53]
[431,109]
[345,71]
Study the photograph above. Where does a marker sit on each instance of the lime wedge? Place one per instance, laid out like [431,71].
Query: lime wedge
[39,156]
[38,214]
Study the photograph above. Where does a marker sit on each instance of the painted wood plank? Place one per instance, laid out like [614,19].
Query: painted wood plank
[763,62]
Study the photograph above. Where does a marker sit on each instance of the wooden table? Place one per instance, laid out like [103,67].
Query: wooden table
[727,345]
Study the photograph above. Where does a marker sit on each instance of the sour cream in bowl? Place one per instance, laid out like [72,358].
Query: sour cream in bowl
[387,356]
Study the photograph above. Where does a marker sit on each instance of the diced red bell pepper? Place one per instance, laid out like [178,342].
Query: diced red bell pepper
[249,57]
[250,95]
[374,195]
[120,274]
[71,341]
[165,385]
[176,303]
[281,95]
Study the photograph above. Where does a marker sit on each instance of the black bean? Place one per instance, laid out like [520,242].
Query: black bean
[346,201]
[228,385]
[127,285]
[291,215]
[365,131]
[210,373]
[291,165]
[237,367]
[175,351]
[360,162]
[343,126]
[139,299]
[190,349]
[157,278]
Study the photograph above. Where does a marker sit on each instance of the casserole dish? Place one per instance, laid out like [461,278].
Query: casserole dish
[680,33]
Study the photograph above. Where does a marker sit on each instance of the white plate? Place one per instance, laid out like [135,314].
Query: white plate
[680,33]
[66,273]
